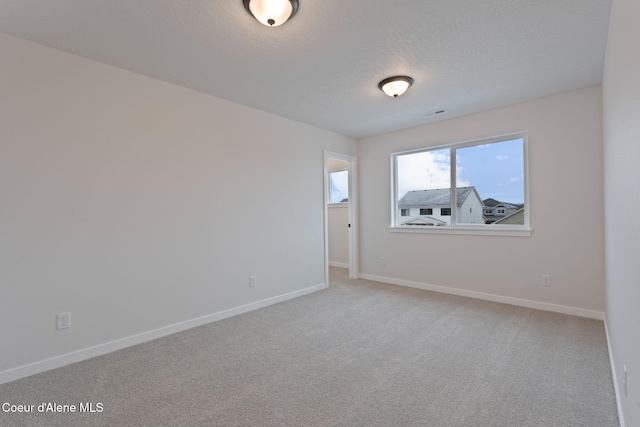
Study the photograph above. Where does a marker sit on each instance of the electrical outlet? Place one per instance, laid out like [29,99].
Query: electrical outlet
[252,281]
[383,261]
[64,320]
[546,280]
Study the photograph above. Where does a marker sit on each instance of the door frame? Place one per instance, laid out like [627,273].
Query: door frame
[352,208]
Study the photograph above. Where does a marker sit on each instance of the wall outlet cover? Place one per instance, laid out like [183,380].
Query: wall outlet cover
[64,320]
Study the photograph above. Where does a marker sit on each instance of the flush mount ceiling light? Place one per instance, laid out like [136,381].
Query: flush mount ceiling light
[271,12]
[395,86]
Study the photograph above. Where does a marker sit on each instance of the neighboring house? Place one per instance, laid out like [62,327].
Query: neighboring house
[515,218]
[495,210]
[433,207]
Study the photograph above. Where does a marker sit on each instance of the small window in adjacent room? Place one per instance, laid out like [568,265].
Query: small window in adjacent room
[339,186]
[490,192]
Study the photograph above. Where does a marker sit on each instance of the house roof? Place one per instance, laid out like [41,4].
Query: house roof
[424,220]
[490,219]
[435,197]
[492,203]
[505,219]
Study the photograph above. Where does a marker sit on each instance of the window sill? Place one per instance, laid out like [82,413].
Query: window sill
[339,205]
[462,230]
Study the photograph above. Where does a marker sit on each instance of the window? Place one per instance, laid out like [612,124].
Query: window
[339,186]
[405,212]
[486,172]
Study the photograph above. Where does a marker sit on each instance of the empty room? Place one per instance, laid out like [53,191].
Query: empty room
[319,213]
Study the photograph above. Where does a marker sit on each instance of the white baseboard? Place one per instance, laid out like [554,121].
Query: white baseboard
[615,376]
[108,347]
[591,314]
[338,264]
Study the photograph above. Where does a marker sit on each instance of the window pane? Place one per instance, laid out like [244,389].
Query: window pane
[424,183]
[490,181]
[339,187]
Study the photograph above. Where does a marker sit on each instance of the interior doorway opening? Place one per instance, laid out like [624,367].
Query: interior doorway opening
[340,204]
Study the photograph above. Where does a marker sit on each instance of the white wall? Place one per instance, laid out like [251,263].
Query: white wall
[565,159]
[338,235]
[621,95]
[122,201]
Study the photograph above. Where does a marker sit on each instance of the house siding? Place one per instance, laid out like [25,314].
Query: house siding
[471,211]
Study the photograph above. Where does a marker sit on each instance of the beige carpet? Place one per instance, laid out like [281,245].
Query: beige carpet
[357,354]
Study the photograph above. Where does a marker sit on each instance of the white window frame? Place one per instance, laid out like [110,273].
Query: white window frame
[515,230]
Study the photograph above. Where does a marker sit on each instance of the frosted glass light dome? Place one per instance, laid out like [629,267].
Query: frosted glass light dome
[395,86]
[272,13]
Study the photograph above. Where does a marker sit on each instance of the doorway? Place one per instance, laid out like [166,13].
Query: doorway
[340,213]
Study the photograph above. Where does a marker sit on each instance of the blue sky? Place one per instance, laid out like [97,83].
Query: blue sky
[496,170]
[339,182]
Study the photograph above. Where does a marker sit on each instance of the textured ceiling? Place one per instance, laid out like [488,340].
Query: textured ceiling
[323,66]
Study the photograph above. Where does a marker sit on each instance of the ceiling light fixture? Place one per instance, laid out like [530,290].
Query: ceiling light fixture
[271,12]
[396,85]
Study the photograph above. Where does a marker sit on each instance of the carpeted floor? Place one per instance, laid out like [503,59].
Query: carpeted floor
[360,353]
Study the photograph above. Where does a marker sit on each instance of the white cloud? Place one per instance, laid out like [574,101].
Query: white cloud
[517,178]
[339,186]
[425,171]
[502,157]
